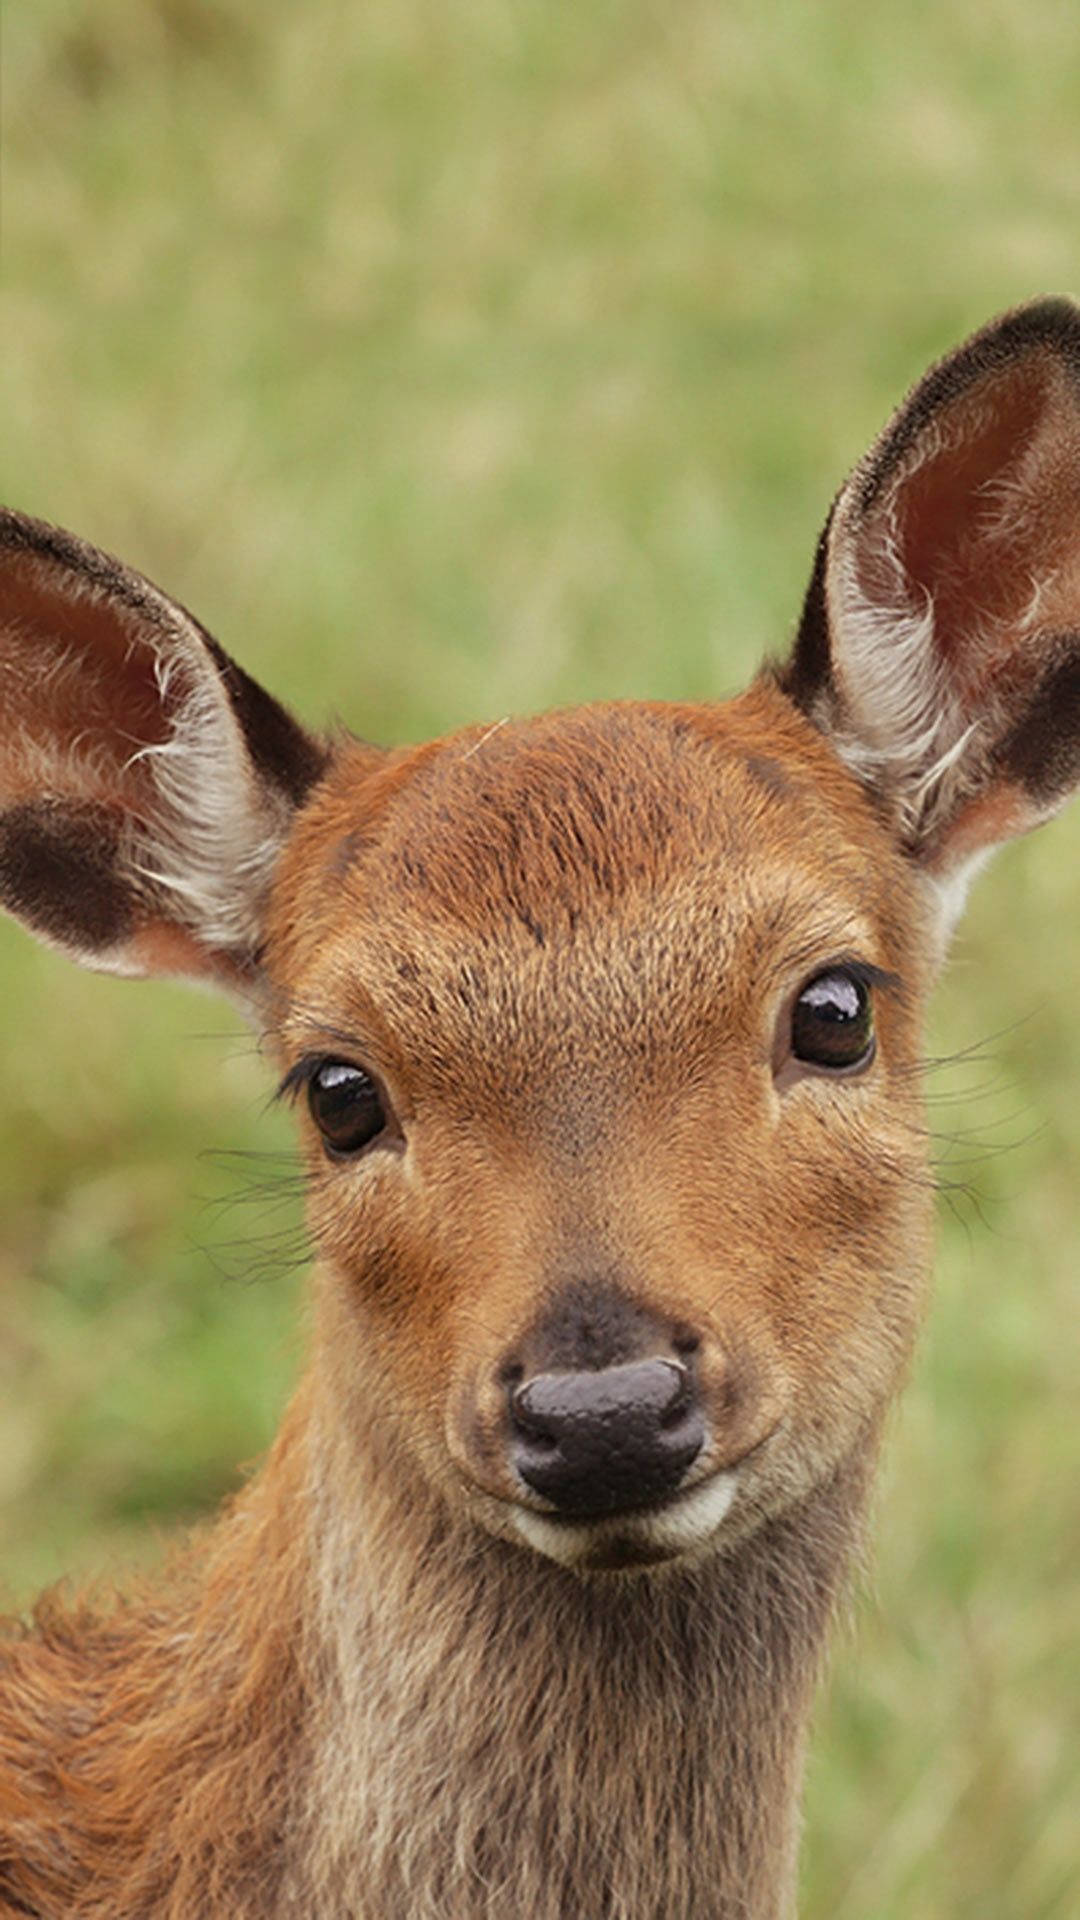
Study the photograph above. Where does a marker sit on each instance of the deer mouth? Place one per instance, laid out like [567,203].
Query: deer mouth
[645,1537]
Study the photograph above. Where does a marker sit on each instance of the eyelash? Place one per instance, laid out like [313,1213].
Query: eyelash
[299,1078]
[863,971]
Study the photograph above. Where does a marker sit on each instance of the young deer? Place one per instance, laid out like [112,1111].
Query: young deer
[604,1030]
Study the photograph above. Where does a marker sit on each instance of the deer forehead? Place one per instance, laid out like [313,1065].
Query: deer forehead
[610,881]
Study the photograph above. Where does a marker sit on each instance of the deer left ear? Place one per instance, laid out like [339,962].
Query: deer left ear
[147,784]
[940,639]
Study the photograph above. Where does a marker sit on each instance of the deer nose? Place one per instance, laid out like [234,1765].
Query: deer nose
[606,1441]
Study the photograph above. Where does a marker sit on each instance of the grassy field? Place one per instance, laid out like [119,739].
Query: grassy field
[452,361]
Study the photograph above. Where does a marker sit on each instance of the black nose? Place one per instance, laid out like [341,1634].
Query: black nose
[606,1441]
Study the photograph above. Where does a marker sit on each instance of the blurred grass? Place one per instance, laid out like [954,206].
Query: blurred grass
[454,361]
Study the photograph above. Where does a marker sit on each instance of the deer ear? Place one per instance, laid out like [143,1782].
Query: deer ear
[940,640]
[146,783]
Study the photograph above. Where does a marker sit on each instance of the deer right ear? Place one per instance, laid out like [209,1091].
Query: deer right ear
[146,783]
[940,640]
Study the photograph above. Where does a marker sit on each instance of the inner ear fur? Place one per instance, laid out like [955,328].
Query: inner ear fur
[940,639]
[146,781]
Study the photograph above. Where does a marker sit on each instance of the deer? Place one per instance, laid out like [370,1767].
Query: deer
[603,1030]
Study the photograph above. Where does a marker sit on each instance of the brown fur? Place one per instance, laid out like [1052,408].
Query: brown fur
[567,951]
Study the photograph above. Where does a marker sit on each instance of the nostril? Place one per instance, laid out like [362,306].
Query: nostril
[685,1343]
[681,1398]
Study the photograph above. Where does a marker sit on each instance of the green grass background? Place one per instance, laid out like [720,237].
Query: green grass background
[456,360]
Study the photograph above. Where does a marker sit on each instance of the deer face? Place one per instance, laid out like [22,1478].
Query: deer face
[603,1030]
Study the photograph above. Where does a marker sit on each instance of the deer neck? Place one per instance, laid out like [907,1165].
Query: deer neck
[498,1735]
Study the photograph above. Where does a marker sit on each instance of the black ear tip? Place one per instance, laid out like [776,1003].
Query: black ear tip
[23,534]
[1056,309]
[1053,318]
[20,529]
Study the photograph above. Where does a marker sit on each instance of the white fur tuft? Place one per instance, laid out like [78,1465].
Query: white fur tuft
[213,841]
[901,714]
[682,1525]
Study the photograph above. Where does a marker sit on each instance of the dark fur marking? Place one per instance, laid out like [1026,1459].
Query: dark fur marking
[11,1904]
[281,749]
[343,855]
[770,774]
[1042,751]
[809,668]
[386,1282]
[60,872]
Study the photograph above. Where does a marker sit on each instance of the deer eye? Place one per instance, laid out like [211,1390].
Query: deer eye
[345,1105]
[832,1023]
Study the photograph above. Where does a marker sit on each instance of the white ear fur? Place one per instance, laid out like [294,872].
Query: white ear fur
[901,720]
[213,838]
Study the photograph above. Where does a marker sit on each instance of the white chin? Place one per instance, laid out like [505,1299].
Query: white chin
[632,1539]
